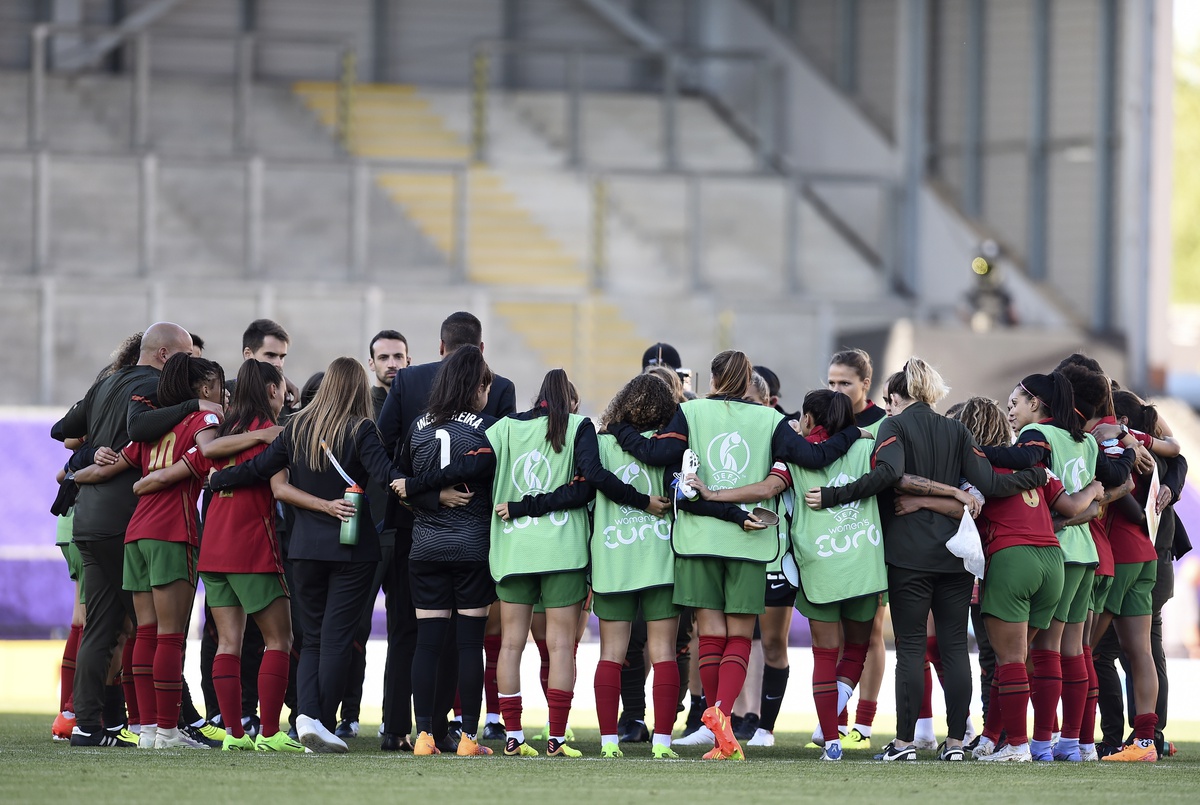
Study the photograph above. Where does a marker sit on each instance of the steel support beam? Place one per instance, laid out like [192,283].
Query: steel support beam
[1039,135]
[974,103]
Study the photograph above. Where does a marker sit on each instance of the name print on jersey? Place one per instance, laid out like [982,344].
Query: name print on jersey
[848,527]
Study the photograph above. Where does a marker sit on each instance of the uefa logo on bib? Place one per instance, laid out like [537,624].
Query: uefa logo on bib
[1074,474]
[728,455]
[531,473]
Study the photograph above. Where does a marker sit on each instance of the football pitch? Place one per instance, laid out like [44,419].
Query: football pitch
[34,769]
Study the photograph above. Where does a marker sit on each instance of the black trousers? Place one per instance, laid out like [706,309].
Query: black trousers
[987,657]
[108,606]
[352,701]
[402,641]
[913,595]
[329,598]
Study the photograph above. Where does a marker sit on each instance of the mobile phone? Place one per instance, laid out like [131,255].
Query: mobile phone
[463,488]
[685,377]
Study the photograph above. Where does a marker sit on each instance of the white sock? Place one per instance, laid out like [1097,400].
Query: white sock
[818,736]
[971,726]
[863,729]
[68,714]
[924,729]
[662,740]
[559,738]
[608,739]
[1087,747]
[136,729]
[491,718]
[844,694]
[830,744]
[198,724]
[519,735]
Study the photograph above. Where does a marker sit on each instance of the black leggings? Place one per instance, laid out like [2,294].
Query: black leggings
[913,595]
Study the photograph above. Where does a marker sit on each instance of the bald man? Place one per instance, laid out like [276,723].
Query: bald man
[116,410]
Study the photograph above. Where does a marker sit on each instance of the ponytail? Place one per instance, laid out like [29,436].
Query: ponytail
[829,409]
[923,383]
[1141,417]
[1056,393]
[731,374]
[557,396]
[250,402]
[181,377]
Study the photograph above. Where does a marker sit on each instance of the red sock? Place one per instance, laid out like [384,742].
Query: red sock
[560,708]
[1087,727]
[933,655]
[733,672]
[544,669]
[510,712]
[993,722]
[666,696]
[865,713]
[1045,691]
[927,696]
[1074,694]
[168,679]
[608,695]
[125,679]
[1144,725]
[1013,683]
[825,691]
[227,681]
[457,707]
[272,685]
[491,653]
[70,652]
[850,667]
[143,700]
[712,649]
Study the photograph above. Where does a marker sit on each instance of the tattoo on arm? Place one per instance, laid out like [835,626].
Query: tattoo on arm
[923,487]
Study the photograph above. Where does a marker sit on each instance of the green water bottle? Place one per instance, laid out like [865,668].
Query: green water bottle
[349,531]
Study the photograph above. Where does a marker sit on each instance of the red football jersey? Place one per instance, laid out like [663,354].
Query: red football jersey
[170,514]
[1022,519]
[1099,528]
[239,531]
[1130,541]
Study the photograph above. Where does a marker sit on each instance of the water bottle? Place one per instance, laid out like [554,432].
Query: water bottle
[348,535]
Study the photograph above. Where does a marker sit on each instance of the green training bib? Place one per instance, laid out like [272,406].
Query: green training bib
[839,550]
[630,548]
[733,441]
[1075,464]
[526,464]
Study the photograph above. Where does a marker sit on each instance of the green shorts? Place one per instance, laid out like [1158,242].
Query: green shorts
[655,602]
[733,586]
[1076,593]
[154,563]
[1024,584]
[253,592]
[860,609]
[1101,589]
[552,589]
[1132,585]
[70,552]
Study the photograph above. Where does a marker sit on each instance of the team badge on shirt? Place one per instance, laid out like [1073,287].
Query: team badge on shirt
[211,419]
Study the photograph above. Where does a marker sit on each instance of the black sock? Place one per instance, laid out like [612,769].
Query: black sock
[187,710]
[470,670]
[774,685]
[431,633]
[114,706]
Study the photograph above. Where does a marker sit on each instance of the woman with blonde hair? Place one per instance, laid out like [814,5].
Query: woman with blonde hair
[331,438]
[923,576]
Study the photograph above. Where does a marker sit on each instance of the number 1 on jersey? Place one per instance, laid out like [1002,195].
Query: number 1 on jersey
[443,437]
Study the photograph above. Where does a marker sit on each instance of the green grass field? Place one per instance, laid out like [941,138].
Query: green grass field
[35,769]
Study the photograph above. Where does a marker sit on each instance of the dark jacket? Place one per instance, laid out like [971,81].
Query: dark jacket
[922,442]
[315,534]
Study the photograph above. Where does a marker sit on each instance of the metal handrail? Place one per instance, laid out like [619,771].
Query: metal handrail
[360,171]
[246,45]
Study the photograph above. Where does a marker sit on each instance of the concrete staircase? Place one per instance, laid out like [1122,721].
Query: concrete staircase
[513,245]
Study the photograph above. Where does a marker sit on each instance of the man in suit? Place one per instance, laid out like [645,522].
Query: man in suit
[406,401]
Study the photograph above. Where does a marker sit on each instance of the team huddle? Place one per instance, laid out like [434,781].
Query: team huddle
[692,527]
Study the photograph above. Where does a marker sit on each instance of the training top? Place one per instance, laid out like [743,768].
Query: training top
[444,534]
[169,514]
